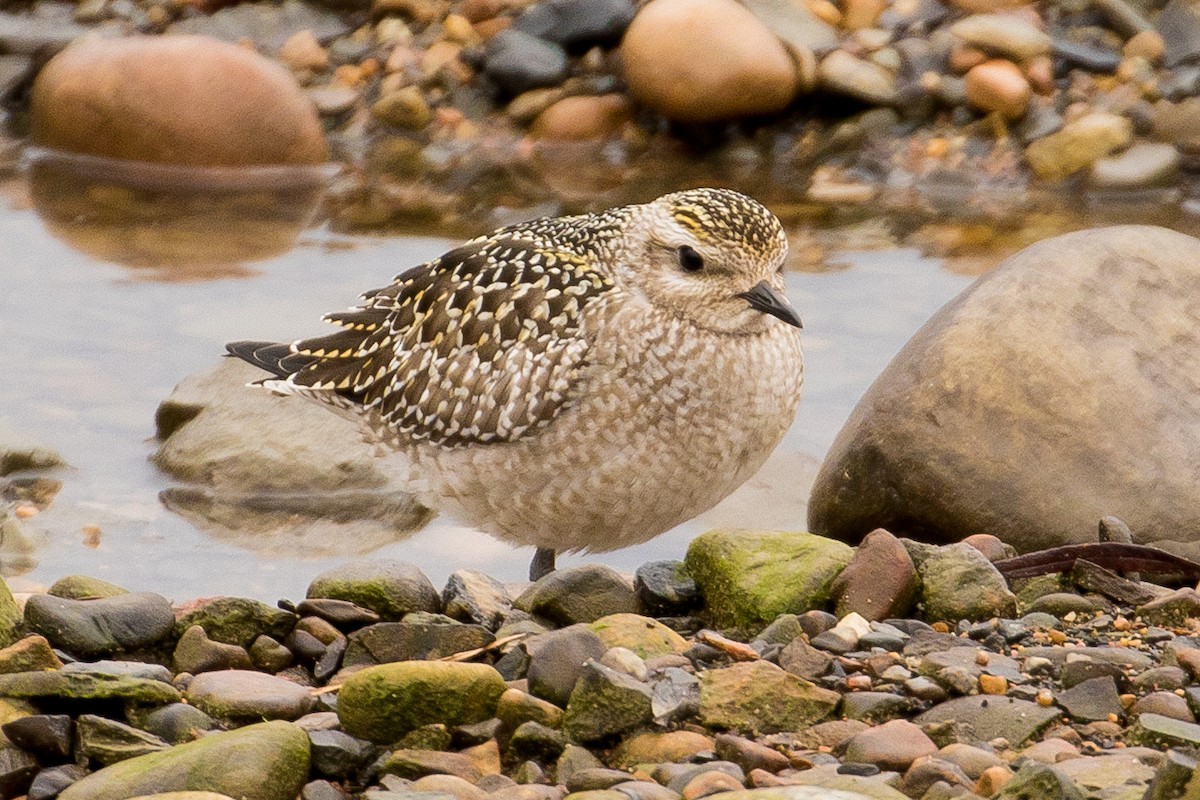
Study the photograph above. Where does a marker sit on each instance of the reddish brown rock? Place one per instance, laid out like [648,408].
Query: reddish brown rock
[880,582]
[580,118]
[991,547]
[893,745]
[188,100]
[998,86]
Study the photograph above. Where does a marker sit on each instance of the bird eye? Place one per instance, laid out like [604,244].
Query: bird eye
[690,260]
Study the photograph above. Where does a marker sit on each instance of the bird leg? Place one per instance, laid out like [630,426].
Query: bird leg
[542,564]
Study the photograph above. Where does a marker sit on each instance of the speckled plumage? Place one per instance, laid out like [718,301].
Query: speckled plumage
[573,383]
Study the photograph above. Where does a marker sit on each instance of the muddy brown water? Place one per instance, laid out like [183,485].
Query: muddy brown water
[107,304]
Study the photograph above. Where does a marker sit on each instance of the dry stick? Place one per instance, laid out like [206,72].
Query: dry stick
[465,655]
[737,650]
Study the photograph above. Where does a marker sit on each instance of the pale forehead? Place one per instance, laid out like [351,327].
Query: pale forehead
[723,217]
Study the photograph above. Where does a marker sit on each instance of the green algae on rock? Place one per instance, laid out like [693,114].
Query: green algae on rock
[958,582]
[748,578]
[385,702]
[87,686]
[389,588]
[759,697]
[268,761]
[645,636]
[604,703]
[236,620]
[10,617]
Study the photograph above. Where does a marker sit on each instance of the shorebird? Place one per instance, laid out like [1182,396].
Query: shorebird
[578,383]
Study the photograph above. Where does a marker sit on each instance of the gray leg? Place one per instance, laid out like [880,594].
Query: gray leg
[542,564]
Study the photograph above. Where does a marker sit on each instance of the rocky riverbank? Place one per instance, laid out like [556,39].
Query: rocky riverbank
[461,114]
[768,665]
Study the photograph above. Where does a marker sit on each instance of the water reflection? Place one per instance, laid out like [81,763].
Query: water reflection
[173,223]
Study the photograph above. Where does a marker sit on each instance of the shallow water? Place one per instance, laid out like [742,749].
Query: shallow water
[92,346]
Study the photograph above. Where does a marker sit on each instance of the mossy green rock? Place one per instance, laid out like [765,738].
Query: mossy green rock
[748,578]
[759,697]
[604,703]
[645,636]
[958,582]
[10,617]
[87,686]
[184,796]
[83,587]
[268,761]
[383,703]
[389,588]
[237,620]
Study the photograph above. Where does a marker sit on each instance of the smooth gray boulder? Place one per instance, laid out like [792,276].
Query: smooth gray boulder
[1061,387]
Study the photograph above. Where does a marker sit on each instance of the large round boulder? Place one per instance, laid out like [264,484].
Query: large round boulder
[187,100]
[1062,387]
[705,60]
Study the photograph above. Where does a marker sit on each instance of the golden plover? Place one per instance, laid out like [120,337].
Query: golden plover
[576,383]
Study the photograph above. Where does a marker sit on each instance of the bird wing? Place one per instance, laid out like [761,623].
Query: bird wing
[479,346]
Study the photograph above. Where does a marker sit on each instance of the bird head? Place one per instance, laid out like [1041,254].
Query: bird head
[711,256]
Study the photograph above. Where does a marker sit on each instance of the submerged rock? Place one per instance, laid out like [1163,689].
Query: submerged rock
[1080,349]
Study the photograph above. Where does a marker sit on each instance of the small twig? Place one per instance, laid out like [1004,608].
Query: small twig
[736,650]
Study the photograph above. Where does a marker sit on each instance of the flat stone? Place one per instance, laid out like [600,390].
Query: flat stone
[760,697]
[842,73]
[232,763]
[235,620]
[1004,34]
[644,636]
[90,628]
[654,747]
[108,741]
[801,658]
[413,764]
[385,642]
[389,588]
[82,686]
[893,745]
[993,717]
[1144,164]
[519,62]
[48,735]
[383,703]
[579,594]
[31,654]
[1154,730]
[244,694]
[1041,781]
[1092,700]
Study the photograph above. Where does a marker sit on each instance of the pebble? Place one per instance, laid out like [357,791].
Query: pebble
[1144,164]
[519,62]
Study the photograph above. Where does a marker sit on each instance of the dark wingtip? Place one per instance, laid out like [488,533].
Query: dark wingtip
[265,355]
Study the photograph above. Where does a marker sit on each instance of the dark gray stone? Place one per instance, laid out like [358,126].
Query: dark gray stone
[177,723]
[1035,781]
[50,736]
[577,24]
[385,642]
[108,741]
[48,783]
[557,659]
[518,62]
[993,717]
[338,755]
[474,597]
[1092,700]
[666,588]
[90,628]
[341,613]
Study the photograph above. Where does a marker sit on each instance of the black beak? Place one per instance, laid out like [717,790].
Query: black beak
[765,299]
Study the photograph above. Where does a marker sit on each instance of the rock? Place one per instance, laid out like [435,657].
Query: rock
[186,100]
[892,745]
[1040,781]
[666,587]
[108,741]
[999,86]
[177,723]
[406,641]
[750,577]
[50,782]
[748,754]
[1172,609]
[232,763]
[605,703]
[516,707]
[557,659]
[85,686]
[1007,35]
[579,594]
[196,653]
[746,70]
[243,695]
[404,108]
[801,658]
[1179,26]
[17,771]
[1092,700]
[973,761]
[645,636]
[958,582]
[82,587]
[823,790]
[875,707]
[993,717]
[1078,145]
[472,596]
[654,747]
[519,62]
[1143,164]
[389,588]
[1166,704]
[412,764]
[383,703]
[91,628]
[918,430]
[760,697]
[235,620]
[577,24]
[302,51]
[50,736]
[1153,730]
[30,654]
[18,453]
[879,582]
[842,73]
[582,117]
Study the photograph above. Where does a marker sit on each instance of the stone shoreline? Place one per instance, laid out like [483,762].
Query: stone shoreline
[765,666]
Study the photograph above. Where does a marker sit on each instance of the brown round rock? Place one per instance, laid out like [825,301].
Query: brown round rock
[892,745]
[705,60]
[999,86]
[580,118]
[879,582]
[187,100]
